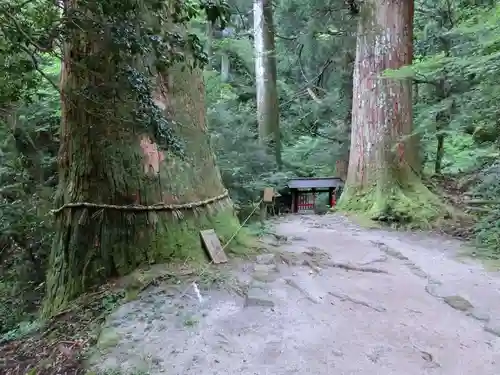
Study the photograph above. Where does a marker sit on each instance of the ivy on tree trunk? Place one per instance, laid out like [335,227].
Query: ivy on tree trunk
[108,157]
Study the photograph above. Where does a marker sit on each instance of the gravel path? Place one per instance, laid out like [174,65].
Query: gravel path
[332,298]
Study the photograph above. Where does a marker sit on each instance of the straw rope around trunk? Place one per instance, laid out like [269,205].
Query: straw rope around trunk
[139,208]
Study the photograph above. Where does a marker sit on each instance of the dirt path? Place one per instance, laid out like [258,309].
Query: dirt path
[332,299]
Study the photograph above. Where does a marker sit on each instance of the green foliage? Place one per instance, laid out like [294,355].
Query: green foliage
[488,228]
[245,166]
[27,180]
[315,128]
[455,71]
[23,329]
[457,68]
[30,114]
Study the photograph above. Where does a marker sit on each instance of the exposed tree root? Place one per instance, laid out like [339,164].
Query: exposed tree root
[345,297]
[382,259]
[351,267]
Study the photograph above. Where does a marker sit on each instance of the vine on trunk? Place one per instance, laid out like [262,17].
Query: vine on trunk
[137,43]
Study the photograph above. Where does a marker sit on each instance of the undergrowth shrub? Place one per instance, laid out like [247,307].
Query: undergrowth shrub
[488,226]
[25,239]
[28,180]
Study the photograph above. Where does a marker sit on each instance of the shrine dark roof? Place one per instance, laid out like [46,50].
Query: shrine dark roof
[315,182]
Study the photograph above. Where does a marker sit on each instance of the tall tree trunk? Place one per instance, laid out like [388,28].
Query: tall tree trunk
[224,67]
[347,95]
[438,163]
[443,117]
[210,41]
[265,76]
[381,176]
[109,160]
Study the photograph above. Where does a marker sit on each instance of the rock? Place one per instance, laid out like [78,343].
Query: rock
[267,258]
[265,268]
[264,277]
[493,327]
[258,296]
[458,303]
[265,272]
[479,315]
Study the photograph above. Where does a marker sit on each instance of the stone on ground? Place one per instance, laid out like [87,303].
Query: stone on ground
[265,272]
[258,295]
[267,258]
[458,303]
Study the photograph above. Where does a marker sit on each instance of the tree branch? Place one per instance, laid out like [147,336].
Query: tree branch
[353,7]
[424,81]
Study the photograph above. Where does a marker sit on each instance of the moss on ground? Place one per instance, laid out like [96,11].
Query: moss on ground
[108,338]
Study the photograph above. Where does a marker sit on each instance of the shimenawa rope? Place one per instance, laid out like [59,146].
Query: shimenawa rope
[136,207]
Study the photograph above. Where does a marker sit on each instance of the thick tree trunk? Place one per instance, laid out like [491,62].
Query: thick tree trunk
[108,159]
[381,177]
[265,76]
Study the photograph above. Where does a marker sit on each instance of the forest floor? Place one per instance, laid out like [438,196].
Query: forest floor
[329,297]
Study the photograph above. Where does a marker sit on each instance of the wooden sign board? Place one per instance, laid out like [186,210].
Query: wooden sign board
[268,195]
[213,246]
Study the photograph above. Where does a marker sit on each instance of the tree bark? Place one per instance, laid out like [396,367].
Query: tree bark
[438,163]
[225,67]
[383,163]
[209,46]
[265,77]
[106,158]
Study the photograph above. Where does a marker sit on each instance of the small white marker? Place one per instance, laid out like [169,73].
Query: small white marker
[197,291]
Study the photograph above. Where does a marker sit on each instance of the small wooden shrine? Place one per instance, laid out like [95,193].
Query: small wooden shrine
[304,192]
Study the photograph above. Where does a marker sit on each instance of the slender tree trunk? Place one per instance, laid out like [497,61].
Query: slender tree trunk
[347,94]
[108,159]
[443,118]
[224,67]
[265,76]
[381,176]
[439,153]
[210,41]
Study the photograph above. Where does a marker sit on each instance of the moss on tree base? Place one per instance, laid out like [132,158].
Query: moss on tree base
[410,205]
[182,241]
[116,244]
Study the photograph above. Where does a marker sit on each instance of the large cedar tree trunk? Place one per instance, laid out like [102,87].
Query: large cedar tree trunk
[106,158]
[383,163]
[265,77]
